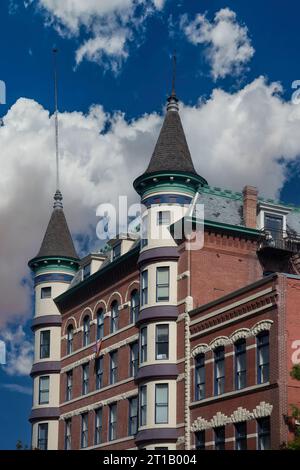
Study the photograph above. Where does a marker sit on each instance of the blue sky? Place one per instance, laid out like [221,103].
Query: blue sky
[241,128]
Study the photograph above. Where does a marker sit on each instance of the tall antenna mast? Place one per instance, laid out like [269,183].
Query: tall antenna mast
[174,74]
[58,196]
[173,100]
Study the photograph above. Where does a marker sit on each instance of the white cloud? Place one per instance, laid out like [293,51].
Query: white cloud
[228,46]
[235,139]
[19,352]
[18,388]
[110,25]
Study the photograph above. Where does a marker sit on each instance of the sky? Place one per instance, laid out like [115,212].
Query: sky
[237,64]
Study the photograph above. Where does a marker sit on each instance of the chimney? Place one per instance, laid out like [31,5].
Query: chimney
[250,206]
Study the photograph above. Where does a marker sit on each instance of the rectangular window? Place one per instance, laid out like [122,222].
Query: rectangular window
[117,251]
[133,416]
[42,443]
[143,405]
[241,436]
[45,344]
[99,372]
[144,232]
[46,293]
[134,359]
[220,438]
[143,344]
[240,364]
[68,434]
[161,403]
[200,377]
[162,342]
[200,440]
[44,390]
[263,360]
[113,367]
[219,371]
[264,433]
[164,218]
[69,390]
[98,426]
[113,422]
[100,325]
[84,430]
[134,307]
[144,284]
[162,284]
[85,379]
[274,225]
[86,271]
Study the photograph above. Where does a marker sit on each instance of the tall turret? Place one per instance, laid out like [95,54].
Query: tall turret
[53,268]
[166,188]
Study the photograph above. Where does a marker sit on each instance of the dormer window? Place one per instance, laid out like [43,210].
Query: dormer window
[273,224]
[272,219]
[116,251]
[87,271]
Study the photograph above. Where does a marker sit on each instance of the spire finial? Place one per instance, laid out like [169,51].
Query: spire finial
[173,100]
[58,196]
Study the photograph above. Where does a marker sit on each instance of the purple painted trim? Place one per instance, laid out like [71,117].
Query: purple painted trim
[162,312]
[157,434]
[157,371]
[167,253]
[46,320]
[38,414]
[49,367]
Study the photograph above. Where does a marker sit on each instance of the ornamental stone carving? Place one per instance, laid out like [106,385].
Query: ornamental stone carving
[262,410]
[219,420]
[220,341]
[243,333]
[200,424]
[239,415]
[201,349]
[264,325]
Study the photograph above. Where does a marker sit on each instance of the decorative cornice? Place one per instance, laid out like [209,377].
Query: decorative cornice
[46,320]
[157,371]
[38,414]
[239,415]
[157,434]
[46,367]
[158,312]
[169,253]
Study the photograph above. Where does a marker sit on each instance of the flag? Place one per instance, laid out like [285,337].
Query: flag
[98,348]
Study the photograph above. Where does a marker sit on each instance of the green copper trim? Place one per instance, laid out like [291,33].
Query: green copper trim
[58,268]
[52,262]
[169,179]
[168,187]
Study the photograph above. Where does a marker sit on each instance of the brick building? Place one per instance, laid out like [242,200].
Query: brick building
[153,345]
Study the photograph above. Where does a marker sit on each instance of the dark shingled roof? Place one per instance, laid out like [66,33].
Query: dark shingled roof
[57,240]
[171,152]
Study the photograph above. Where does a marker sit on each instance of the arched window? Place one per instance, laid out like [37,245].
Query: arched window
[70,335]
[220,370]
[86,330]
[100,324]
[114,317]
[134,306]
[240,364]
[200,377]
[263,360]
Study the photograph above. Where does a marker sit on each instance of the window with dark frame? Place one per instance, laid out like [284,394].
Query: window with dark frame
[200,377]
[144,287]
[264,433]
[69,381]
[263,359]
[84,430]
[100,324]
[98,426]
[241,436]
[143,340]
[85,379]
[86,331]
[42,442]
[99,372]
[220,438]
[113,367]
[68,434]
[240,364]
[45,344]
[164,218]
[143,406]
[162,284]
[114,319]
[219,371]
[44,383]
[144,232]
[46,293]
[134,358]
[70,334]
[162,342]
[86,271]
[200,440]
[273,223]
[134,306]
[133,416]
[161,403]
[113,422]
[117,251]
